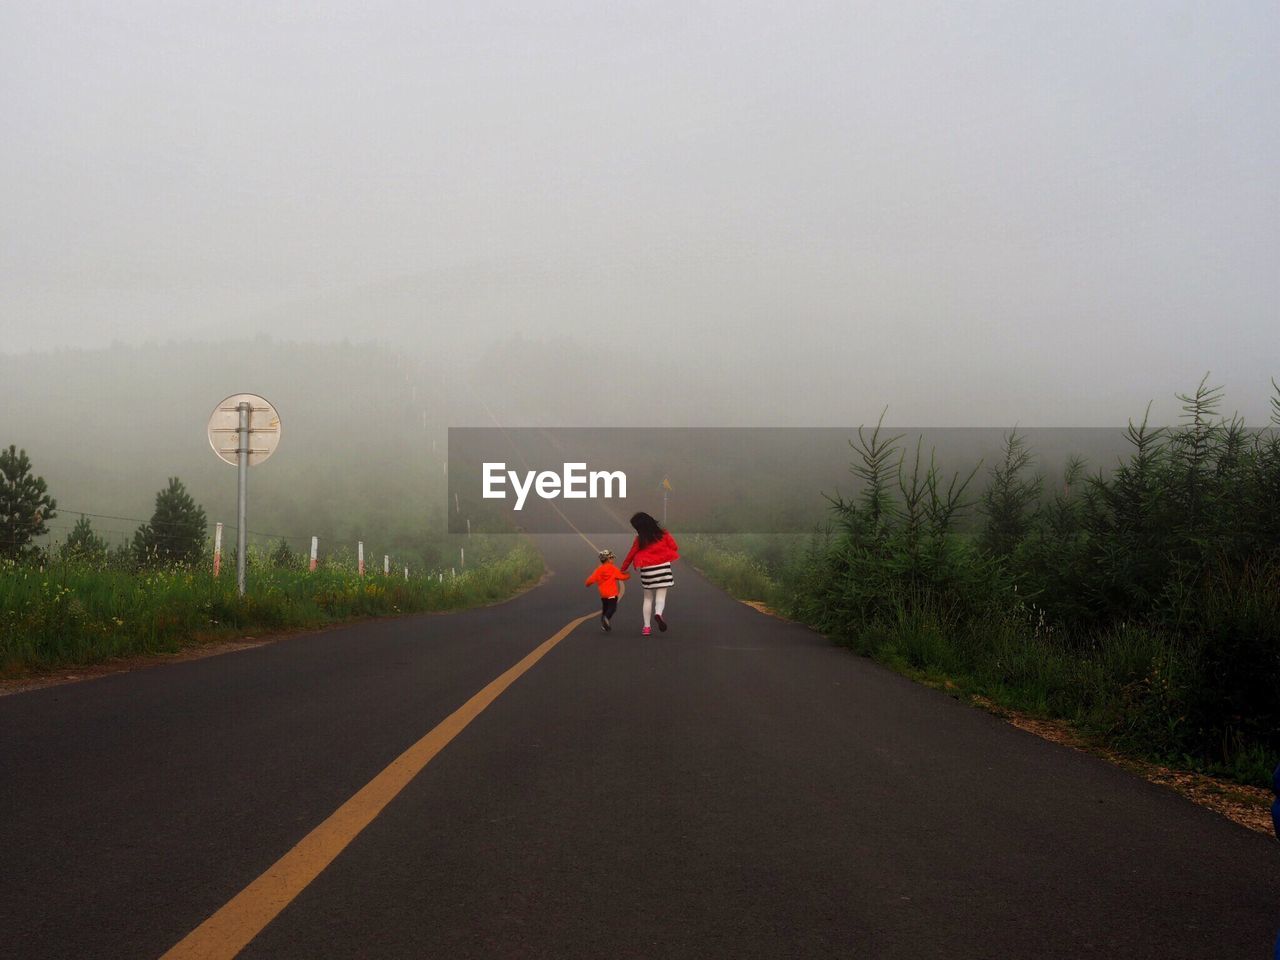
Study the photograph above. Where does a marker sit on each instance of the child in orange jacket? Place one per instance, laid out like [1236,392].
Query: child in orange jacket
[607,577]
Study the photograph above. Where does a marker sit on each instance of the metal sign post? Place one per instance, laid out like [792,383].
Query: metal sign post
[252,420]
[244,410]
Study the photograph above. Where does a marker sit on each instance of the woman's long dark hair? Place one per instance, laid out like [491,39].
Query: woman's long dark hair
[647,529]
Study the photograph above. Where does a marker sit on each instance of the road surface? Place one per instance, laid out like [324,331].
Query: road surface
[736,787]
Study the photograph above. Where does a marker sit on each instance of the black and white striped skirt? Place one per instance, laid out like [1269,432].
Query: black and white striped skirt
[659,575]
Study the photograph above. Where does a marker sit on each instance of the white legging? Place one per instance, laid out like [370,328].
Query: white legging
[649,607]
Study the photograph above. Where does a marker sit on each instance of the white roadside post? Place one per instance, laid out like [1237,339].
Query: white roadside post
[462,557]
[386,565]
[360,556]
[406,573]
[251,419]
[217,550]
[315,543]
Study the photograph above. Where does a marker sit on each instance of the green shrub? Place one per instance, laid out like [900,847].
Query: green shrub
[1143,605]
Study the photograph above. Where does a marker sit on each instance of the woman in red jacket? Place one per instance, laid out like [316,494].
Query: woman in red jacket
[652,552]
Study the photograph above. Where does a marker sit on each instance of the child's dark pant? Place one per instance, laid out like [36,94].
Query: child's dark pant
[609,606]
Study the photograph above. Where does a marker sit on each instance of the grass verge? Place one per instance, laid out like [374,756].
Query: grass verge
[76,615]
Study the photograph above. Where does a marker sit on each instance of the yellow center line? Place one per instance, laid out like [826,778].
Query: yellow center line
[229,930]
[575,529]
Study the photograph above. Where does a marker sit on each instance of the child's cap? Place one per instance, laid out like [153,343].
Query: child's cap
[606,555]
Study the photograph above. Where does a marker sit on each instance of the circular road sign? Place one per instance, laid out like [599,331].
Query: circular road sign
[264,428]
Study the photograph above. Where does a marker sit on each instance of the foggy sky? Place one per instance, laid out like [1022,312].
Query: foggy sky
[970,212]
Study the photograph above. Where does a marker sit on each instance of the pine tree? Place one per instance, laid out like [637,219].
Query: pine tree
[25,503]
[283,556]
[83,544]
[1009,501]
[176,531]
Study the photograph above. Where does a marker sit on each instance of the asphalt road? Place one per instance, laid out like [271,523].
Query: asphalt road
[736,787]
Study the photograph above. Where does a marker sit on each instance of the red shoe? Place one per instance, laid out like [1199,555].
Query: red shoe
[645,632]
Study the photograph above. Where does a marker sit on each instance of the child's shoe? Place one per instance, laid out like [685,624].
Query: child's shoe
[645,632]
[604,622]
[662,624]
